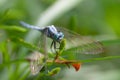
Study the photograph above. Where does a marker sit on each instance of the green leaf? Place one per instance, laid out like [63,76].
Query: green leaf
[110,42]
[15,28]
[54,71]
[25,44]
[5,53]
[62,46]
[12,62]
[100,59]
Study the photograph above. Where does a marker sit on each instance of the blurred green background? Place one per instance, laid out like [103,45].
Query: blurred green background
[98,18]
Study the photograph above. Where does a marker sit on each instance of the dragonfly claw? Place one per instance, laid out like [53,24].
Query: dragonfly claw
[53,45]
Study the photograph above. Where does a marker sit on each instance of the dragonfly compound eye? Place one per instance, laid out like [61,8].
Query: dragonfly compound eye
[60,36]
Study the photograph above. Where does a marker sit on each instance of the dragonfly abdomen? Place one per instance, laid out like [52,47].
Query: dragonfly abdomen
[30,26]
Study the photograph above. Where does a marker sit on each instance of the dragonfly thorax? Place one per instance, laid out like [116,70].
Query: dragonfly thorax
[54,34]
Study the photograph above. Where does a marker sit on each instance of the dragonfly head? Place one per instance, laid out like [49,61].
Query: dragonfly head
[54,34]
[59,36]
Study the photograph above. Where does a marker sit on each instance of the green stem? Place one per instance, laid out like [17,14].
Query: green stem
[82,61]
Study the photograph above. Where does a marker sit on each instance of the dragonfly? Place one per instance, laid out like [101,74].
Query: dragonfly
[76,44]
[49,31]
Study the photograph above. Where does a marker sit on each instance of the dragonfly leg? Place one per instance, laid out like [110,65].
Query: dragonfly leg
[57,47]
[52,44]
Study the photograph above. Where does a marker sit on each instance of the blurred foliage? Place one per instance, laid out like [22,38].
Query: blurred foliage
[99,18]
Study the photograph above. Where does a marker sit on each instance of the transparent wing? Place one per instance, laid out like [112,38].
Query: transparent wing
[42,44]
[36,62]
[41,41]
[77,44]
[45,46]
